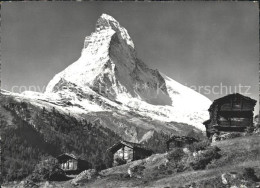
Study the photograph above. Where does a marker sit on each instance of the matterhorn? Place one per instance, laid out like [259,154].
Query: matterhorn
[111,87]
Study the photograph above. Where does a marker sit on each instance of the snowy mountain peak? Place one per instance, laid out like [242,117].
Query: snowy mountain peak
[109,76]
[105,21]
[107,17]
[108,22]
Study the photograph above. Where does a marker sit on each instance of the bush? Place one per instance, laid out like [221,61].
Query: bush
[230,135]
[232,158]
[99,165]
[257,126]
[250,129]
[85,176]
[136,171]
[155,172]
[47,169]
[172,167]
[138,168]
[249,173]
[200,161]
[197,146]
[120,161]
[176,162]
[175,155]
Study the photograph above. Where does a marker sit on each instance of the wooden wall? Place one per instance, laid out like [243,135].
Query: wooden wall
[125,153]
[130,154]
[70,164]
[141,154]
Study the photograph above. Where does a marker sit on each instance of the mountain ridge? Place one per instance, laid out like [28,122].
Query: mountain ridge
[109,82]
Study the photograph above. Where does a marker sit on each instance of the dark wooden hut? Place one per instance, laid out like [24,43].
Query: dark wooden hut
[72,164]
[128,151]
[179,142]
[232,113]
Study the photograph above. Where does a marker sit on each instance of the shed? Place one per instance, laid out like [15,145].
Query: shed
[179,142]
[72,164]
[231,113]
[128,151]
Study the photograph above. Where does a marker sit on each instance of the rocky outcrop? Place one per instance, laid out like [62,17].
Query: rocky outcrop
[224,136]
[27,184]
[136,171]
[84,176]
[246,178]
[241,179]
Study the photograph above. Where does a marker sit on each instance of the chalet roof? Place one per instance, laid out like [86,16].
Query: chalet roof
[227,97]
[68,155]
[121,143]
[181,138]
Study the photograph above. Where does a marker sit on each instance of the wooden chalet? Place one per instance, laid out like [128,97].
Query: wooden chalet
[72,164]
[232,113]
[179,142]
[128,151]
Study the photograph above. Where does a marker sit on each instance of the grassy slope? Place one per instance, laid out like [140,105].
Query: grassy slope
[236,153]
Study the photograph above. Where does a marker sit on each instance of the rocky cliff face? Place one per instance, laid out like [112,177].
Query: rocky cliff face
[108,84]
[109,66]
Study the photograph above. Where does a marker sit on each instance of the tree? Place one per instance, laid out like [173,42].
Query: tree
[48,169]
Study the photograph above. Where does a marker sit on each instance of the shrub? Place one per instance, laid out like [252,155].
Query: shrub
[214,182]
[155,172]
[249,173]
[85,176]
[120,161]
[138,168]
[98,165]
[176,163]
[175,155]
[197,146]
[250,129]
[202,160]
[137,171]
[257,126]
[223,161]
[47,169]
[230,135]
[172,167]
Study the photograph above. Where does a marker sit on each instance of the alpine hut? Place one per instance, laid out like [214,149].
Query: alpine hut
[231,113]
[179,142]
[72,164]
[128,151]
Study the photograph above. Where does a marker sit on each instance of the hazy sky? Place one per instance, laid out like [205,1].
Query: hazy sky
[196,43]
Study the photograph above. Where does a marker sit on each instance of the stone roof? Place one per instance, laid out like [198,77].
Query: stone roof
[132,145]
[231,96]
[69,155]
[181,138]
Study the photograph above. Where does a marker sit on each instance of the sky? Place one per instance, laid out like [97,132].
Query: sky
[212,47]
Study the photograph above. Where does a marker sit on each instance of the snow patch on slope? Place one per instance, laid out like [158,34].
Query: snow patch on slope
[184,98]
